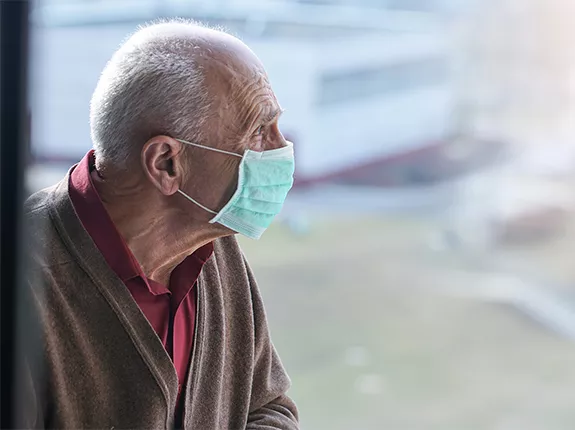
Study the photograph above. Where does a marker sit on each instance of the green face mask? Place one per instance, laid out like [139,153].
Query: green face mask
[264,180]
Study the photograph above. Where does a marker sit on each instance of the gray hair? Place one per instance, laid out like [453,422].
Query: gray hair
[152,85]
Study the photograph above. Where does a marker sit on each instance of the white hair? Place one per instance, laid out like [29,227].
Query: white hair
[152,85]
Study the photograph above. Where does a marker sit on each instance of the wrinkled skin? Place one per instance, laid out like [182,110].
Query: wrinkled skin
[160,226]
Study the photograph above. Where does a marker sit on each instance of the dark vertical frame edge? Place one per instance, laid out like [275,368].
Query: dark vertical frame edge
[14,151]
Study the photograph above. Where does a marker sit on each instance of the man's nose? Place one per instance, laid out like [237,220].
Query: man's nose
[279,141]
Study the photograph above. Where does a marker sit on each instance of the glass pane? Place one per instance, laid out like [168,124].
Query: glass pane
[419,275]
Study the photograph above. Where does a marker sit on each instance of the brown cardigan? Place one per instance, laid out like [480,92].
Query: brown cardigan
[104,366]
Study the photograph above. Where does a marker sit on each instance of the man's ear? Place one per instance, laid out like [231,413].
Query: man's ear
[162,163]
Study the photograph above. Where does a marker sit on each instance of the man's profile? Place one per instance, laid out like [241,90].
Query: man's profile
[150,314]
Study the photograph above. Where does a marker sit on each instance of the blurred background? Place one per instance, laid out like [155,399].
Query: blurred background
[420,275]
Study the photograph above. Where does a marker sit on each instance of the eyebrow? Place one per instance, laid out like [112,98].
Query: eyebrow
[275,114]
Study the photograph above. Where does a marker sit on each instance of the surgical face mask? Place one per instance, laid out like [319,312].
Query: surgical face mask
[264,180]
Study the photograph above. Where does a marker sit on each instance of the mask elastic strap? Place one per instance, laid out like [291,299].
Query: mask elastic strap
[197,203]
[210,149]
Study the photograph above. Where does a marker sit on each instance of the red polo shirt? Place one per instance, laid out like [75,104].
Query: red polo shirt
[171,309]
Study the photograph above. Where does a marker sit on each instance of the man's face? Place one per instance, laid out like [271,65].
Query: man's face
[244,115]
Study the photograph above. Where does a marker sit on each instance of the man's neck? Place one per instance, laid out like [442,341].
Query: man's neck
[155,235]
[157,245]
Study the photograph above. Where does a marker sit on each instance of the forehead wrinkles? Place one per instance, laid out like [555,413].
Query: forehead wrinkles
[252,98]
[241,94]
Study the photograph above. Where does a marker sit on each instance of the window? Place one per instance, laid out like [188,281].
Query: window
[338,87]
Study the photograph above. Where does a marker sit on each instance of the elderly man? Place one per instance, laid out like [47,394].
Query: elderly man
[150,314]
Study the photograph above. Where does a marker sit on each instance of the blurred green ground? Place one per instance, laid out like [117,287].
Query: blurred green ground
[433,360]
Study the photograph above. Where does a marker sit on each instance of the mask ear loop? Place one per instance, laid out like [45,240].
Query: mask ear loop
[210,149]
[197,203]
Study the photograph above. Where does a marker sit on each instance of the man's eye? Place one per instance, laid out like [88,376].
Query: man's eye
[259,130]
